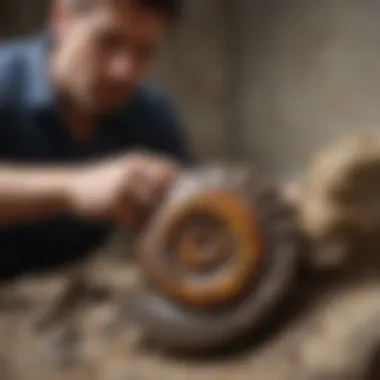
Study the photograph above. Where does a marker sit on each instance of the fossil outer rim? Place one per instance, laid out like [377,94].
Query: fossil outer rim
[176,326]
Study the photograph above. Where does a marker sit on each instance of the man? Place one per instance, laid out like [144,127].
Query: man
[73,116]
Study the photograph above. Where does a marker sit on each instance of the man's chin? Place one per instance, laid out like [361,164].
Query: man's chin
[105,107]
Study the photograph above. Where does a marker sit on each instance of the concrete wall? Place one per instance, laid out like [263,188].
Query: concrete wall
[195,70]
[309,72]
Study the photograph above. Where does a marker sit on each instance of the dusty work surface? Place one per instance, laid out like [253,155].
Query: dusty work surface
[331,337]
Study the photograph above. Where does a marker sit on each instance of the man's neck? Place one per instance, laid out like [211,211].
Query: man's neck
[82,125]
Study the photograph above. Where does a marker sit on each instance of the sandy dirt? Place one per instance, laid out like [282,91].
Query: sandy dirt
[329,330]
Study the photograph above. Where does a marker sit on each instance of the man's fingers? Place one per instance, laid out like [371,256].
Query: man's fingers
[165,166]
[145,186]
[151,177]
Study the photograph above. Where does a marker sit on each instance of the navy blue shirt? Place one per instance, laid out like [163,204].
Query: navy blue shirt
[32,131]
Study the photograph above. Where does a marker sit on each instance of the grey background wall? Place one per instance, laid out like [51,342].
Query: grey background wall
[274,84]
[309,72]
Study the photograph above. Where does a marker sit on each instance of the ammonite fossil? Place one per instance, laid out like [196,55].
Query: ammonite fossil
[217,256]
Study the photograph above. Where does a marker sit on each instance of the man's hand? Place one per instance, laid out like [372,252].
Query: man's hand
[121,190]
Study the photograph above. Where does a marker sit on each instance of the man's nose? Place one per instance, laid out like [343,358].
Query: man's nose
[121,67]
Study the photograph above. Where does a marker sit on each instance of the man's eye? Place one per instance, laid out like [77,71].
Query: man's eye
[145,53]
[110,41]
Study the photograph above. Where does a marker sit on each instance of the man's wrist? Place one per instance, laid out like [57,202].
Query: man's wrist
[46,188]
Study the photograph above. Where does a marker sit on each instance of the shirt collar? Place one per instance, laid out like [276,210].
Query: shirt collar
[40,94]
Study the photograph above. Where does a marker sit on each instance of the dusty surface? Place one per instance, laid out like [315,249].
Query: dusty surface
[327,334]
[328,330]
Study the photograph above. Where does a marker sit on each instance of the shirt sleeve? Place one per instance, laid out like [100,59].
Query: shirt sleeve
[4,135]
[10,83]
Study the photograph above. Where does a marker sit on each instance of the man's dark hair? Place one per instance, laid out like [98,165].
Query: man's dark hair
[170,9]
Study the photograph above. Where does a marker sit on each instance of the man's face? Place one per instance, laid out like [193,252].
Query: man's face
[102,54]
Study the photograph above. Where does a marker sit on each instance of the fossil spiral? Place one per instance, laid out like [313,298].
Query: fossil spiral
[217,256]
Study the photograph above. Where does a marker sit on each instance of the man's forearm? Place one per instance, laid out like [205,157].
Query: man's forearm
[29,193]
